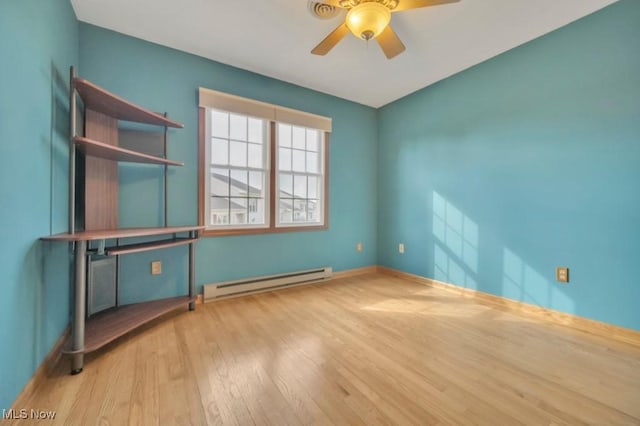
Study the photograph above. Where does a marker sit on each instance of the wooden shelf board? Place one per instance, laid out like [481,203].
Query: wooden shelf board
[101,100]
[107,234]
[152,245]
[105,327]
[110,152]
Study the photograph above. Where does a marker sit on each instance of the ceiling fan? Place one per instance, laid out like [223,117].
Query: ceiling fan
[369,19]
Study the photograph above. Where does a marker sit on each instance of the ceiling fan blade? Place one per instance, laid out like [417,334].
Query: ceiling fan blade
[390,43]
[331,40]
[414,4]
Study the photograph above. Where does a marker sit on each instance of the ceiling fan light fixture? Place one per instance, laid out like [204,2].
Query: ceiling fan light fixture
[367,20]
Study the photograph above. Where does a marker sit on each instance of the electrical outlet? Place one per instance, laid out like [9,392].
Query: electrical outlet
[359,247]
[562,274]
[156,267]
[401,248]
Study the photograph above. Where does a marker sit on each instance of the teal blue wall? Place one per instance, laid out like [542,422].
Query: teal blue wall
[495,176]
[491,178]
[38,42]
[164,79]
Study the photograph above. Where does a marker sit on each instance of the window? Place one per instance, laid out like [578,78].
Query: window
[263,168]
[300,171]
[238,170]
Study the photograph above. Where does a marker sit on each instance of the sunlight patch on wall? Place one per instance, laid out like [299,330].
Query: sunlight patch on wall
[456,249]
[456,231]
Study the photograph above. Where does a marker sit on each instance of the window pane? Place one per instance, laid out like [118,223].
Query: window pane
[219,211]
[239,170]
[300,186]
[299,211]
[238,211]
[219,124]
[286,185]
[238,124]
[238,154]
[256,211]
[255,156]
[298,161]
[255,130]
[238,184]
[219,151]
[284,159]
[298,137]
[312,191]
[312,140]
[284,135]
[285,210]
[220,182]
[313,211]
[256,180]
[312,162]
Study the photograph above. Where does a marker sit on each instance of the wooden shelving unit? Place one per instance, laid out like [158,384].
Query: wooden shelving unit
[96,185]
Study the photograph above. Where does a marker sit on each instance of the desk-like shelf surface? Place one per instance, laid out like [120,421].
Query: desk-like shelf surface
[153,245]
[105,327]
[115,153]
[101,100]
[108,234]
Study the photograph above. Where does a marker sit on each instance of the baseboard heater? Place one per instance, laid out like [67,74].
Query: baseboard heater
[226,289]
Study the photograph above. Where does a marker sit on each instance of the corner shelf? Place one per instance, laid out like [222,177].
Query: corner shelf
[93,179]
[109,234]
[105,102]
[107,326]
[114,153]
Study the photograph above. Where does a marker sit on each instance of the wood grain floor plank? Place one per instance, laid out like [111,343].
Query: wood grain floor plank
[307,365]
[283,366]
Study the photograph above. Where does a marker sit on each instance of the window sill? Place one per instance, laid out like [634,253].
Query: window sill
[258,231]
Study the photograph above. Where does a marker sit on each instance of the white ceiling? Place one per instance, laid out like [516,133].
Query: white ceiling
[274,38]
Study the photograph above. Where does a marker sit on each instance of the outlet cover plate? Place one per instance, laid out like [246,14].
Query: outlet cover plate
[156,267]
[562,274]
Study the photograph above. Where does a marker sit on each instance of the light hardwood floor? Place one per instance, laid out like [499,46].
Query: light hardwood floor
[372,349]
